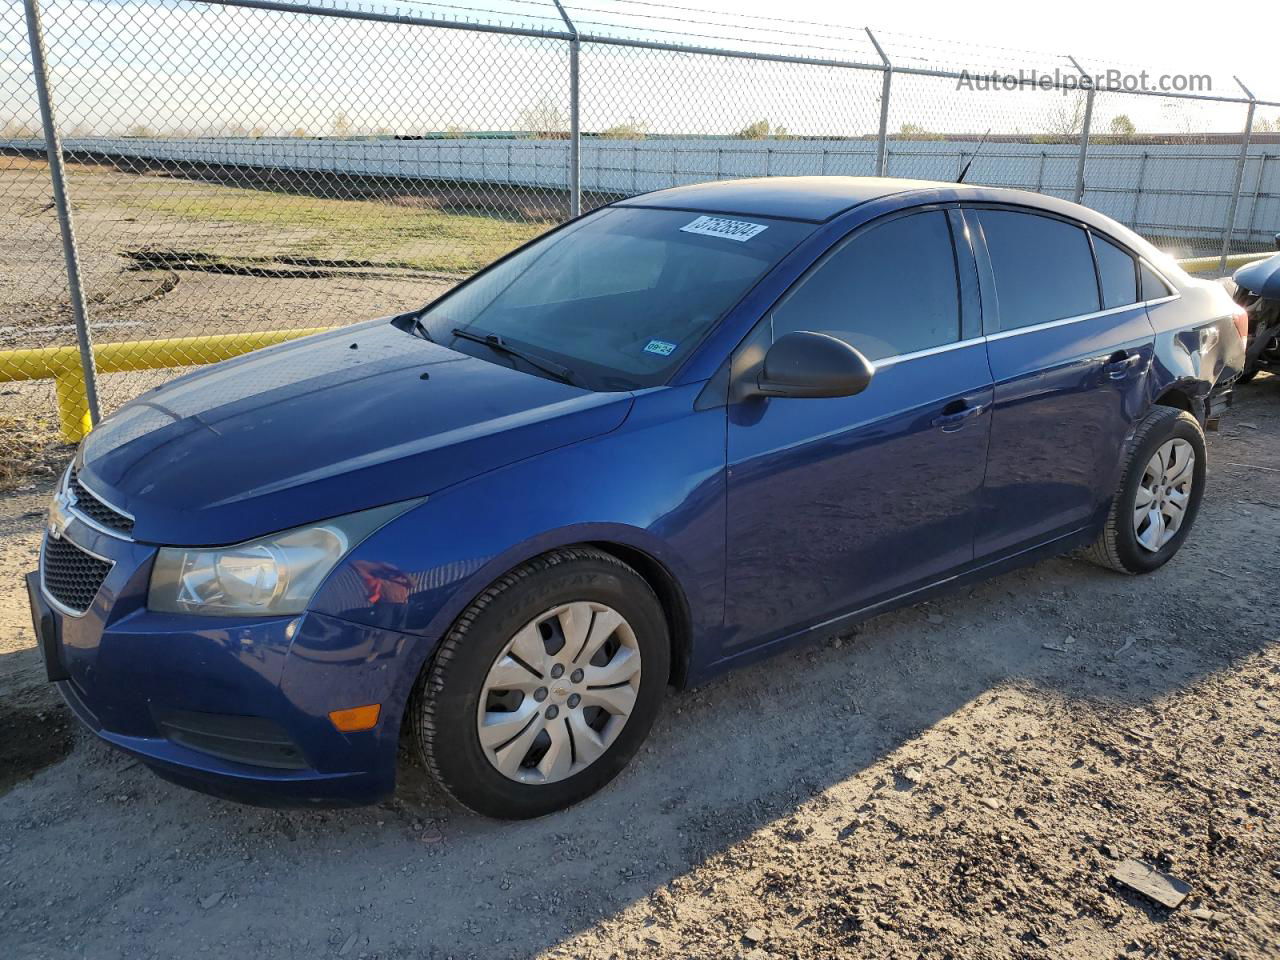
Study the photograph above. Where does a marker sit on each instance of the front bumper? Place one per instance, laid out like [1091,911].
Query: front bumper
[229,706]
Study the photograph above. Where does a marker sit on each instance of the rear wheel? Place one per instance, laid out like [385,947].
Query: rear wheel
[545,687]
[1159,494]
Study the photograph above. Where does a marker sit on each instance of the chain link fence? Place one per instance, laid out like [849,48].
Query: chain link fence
[34,311]
[241,171]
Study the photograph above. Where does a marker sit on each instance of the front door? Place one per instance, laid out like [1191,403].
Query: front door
[837,503]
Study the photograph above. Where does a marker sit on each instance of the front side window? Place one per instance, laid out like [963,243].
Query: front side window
[888,291]
[1118,273]
[1043,268]
[618,299]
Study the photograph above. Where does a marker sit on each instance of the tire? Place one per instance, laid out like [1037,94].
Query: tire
[495,641]
[1121,546]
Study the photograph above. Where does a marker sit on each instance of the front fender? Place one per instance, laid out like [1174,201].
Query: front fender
[656,485]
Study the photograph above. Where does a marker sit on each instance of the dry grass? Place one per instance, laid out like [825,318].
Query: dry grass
[367,230]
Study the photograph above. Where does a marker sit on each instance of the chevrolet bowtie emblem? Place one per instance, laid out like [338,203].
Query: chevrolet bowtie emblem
[59,518]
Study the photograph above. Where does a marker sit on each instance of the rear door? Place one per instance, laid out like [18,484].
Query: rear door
[1070,345]
[836,503]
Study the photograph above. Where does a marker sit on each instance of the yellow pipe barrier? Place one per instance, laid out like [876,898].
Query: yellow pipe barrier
[62,364]
[1210,264]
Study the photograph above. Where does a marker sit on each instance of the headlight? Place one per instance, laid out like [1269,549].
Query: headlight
[277,574]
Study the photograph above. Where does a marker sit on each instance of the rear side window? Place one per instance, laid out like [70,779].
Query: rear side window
[1118,272]
[1043,267]
[888,291]
[1153,288]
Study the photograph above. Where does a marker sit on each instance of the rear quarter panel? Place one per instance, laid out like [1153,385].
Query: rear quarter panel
[1179,364]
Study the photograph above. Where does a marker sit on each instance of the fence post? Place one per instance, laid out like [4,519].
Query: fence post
[1229,229]
[882,141]
[1137,190]
[575,118]
[1084,129]
[1257,191]
[57,176]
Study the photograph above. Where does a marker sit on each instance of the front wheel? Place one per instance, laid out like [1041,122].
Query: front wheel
[1158,497]
[545,687]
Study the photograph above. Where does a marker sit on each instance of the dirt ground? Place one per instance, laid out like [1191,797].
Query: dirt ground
[953,780]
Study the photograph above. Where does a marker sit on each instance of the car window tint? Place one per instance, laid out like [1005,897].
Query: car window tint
[1153,288]
[1118,272]
[888,291]
[1043,268]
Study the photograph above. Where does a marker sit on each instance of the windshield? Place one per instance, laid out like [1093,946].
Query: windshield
[616,300]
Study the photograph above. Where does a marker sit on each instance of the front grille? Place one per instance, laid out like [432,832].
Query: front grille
[71,576]
[96,510]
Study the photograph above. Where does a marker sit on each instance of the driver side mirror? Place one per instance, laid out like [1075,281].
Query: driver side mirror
[807,364]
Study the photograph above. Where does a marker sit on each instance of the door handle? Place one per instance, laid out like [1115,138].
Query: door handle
[1118,364]
[951,422]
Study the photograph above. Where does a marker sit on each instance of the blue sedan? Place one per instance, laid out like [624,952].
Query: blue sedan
[671,436]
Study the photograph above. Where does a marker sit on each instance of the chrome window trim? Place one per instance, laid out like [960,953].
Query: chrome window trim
[1005,334]
[53,601]
[927,352]
[87,520]
[1050,324]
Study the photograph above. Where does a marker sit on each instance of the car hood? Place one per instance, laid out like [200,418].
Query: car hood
[323,426]
[1262,279]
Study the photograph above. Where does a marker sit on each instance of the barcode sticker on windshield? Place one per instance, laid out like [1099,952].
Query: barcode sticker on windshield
[739,230]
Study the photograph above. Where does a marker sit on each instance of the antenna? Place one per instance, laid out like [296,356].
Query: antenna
[977,150]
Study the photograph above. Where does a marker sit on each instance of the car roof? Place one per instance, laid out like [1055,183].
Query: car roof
[819,199]
[814,199]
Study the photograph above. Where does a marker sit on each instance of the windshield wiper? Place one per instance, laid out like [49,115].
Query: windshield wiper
[494,342]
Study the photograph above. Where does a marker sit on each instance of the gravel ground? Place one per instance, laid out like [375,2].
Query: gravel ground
[957,779]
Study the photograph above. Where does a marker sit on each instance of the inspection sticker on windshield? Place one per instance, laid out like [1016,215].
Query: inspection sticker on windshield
[663,348]
[740,230]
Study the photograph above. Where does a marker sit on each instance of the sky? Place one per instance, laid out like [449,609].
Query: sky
[171,66]
[1174,35]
